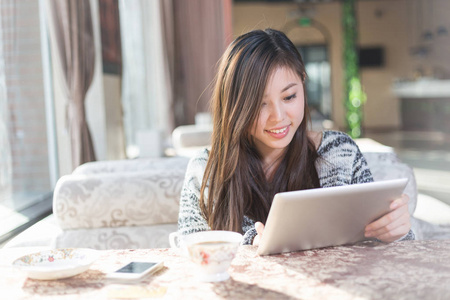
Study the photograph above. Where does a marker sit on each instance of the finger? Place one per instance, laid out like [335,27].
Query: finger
[395,234]
[391,227]
[403,200]
[259,228]
[256,240]
[399,221]
[387,218]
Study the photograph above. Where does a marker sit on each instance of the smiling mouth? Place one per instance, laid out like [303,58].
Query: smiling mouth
[281,130]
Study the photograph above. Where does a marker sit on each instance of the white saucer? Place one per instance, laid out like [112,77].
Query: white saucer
[56,263]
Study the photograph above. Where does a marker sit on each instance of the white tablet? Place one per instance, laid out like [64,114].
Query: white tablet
[317,218]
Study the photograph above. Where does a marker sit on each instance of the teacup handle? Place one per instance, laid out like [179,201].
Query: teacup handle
[174,239]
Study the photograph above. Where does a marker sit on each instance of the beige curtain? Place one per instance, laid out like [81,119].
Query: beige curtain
[202,31]
[74,34]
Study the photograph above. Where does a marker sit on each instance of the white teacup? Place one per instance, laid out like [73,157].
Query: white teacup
[212,251]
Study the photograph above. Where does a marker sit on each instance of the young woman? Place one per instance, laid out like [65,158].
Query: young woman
[261,146]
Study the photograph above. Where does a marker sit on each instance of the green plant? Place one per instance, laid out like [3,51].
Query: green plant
[354,96]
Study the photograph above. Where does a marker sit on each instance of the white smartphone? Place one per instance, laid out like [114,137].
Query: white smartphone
[136,270]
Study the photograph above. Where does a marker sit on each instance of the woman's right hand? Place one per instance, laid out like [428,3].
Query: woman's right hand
[259,229]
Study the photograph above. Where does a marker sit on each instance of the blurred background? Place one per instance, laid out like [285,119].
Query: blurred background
[111,79]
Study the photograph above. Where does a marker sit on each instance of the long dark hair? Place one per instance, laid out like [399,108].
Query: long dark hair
[234,180]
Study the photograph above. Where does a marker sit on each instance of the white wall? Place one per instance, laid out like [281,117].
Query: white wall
[385,24]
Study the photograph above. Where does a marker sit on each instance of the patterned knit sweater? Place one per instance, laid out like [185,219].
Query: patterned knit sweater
[340,163]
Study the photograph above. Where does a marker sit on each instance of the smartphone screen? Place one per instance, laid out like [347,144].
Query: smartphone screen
[136,267]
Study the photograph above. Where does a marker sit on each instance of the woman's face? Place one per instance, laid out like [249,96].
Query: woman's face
[282,111]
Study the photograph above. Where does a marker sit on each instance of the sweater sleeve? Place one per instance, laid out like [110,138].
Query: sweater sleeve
[190,217]
[248,228]
[360,169]
[410,236]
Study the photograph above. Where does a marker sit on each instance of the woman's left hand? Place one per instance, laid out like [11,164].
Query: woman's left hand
[259,230]
[392,225]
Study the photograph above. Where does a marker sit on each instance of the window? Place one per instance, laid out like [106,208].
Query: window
[25,131]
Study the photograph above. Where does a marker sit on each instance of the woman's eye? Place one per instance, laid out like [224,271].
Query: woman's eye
[293,96]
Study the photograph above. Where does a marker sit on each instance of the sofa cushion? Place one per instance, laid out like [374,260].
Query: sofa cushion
[115,200]
[150,236]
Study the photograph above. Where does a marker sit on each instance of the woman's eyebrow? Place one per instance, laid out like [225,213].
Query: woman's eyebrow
[288,86]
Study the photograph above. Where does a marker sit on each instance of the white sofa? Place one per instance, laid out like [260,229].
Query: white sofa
[134,203]
[112,205]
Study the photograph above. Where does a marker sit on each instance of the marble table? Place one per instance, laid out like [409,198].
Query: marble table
[369,270]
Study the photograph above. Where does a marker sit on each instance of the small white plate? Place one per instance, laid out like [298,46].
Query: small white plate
[56,263]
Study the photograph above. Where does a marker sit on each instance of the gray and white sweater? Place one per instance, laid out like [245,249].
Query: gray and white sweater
[340,163]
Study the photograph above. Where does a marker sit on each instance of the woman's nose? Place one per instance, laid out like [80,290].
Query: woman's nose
[277,112]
